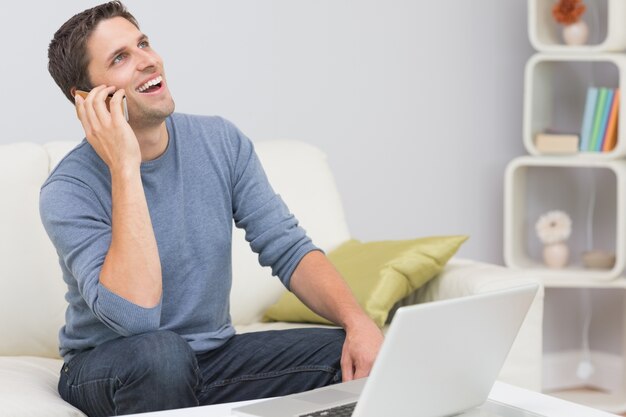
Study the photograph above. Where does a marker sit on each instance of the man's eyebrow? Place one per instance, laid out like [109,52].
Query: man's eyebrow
[118,51]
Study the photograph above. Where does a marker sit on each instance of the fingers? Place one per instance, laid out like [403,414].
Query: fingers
[347,366]
[362,370]
[96,105]
[347,363]
[353,368]
[80,110]
[92,110]
[117,111]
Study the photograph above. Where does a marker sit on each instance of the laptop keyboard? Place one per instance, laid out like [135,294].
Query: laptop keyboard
[339,411]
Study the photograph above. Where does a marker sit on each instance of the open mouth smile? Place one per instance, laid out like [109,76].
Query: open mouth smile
[151,86]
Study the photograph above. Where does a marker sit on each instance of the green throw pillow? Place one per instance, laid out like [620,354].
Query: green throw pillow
[379,274]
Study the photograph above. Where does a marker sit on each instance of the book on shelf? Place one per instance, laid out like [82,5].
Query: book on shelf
[597,119]
[555,143]
[606,110]
[587,125]
[598,132]
[610,137]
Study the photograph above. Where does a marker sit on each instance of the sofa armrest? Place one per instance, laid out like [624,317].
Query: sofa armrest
[463,277]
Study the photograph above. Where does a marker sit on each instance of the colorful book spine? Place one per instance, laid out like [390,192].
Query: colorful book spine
[597,119]
[587,125]
[610,138]
[606,110]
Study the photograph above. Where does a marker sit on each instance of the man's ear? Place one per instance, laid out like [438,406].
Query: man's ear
[73,91]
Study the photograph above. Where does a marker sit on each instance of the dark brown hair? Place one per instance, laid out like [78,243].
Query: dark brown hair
[67,54]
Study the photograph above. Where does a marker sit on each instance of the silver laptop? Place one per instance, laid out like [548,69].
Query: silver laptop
[438,359]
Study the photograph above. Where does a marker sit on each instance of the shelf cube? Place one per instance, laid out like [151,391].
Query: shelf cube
[591,191]
[555,93]
[605,19]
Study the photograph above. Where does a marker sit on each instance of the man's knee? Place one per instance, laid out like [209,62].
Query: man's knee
[147,372]
[162,356]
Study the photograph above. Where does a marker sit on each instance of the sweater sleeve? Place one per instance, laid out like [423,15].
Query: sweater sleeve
[80,230]
[271,229]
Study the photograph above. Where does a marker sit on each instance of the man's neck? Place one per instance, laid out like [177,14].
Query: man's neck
[152,141]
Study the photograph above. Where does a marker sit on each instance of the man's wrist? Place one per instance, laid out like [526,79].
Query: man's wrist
[125,172]
[356,320]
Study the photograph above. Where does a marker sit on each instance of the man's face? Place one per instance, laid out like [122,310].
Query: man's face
[121,56]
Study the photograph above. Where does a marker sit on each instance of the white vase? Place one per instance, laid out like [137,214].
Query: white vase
[555,255]
[576,33]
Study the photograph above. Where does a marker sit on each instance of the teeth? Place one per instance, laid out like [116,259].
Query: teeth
[150,83]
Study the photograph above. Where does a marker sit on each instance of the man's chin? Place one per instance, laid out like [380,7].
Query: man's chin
[151,116]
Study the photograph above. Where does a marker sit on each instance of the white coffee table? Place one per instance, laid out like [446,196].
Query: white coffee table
[503,393]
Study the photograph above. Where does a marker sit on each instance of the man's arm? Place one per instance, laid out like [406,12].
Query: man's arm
[317,283]
[132,268]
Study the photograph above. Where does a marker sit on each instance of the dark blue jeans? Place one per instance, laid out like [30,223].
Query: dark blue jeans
[159,371]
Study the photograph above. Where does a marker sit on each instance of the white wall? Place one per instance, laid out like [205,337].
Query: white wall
[417,103]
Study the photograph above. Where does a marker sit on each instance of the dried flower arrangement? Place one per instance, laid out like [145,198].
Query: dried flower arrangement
[567,12]
[554,227]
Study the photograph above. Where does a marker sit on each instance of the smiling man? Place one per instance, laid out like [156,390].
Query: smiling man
[141,215]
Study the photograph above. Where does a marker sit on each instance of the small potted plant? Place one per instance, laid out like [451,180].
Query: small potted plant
[553,229]
[568,13]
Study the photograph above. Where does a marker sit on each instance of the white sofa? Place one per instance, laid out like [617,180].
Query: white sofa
[32,291]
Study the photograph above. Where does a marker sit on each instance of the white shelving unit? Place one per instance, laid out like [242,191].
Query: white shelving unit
[591,188]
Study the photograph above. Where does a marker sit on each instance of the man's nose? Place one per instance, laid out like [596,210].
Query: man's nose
[146,61]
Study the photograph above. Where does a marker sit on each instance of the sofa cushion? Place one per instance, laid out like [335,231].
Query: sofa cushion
[379,273]
[57,150]
[28,387]
[32,304]
[277,325]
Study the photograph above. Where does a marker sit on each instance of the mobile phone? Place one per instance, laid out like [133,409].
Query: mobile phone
[107,101]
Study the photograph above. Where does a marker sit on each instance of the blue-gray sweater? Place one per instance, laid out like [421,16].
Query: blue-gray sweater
[208,176]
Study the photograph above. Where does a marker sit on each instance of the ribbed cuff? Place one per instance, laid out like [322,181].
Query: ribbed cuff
[125,317]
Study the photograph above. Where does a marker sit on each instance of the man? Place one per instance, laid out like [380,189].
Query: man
[141,216]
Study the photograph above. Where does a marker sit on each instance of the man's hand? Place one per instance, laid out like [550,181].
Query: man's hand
[108,133]
[360,349]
